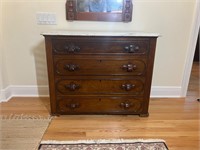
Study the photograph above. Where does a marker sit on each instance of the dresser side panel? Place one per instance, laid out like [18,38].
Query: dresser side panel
[51,78]
[150,65]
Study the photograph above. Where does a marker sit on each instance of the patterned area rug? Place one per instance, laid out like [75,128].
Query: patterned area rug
[114,144]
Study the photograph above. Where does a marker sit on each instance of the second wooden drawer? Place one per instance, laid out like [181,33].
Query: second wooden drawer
[135,66]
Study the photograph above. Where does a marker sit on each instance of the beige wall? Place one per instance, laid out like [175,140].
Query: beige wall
[1,49]
[3,72]
[24,49]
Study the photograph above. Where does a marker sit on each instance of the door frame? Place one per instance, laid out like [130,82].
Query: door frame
[191,50]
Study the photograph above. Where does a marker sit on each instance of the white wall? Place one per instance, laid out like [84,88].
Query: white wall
[1,63]
[4,82]
[2,67]
[24,50]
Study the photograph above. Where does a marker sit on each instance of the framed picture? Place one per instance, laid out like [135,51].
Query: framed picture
[99,10]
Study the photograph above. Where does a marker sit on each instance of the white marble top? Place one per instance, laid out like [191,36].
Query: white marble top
[100,33]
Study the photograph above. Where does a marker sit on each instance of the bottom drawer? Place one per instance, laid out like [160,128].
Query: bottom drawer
[100,105]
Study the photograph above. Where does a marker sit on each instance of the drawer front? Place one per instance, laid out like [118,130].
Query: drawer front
[96,45]
[99,86]
[99,105]
[100,67]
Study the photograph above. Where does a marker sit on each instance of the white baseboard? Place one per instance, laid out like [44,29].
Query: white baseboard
[166,92]
[5,94]
[24,91]
[43,91]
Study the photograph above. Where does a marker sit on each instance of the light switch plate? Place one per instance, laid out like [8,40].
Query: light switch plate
[46,18]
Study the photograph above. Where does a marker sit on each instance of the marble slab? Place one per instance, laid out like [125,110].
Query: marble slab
[100,33]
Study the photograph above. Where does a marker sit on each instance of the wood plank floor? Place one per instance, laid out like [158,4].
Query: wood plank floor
[176,120]
[32,106]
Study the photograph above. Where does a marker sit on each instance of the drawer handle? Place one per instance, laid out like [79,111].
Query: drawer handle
[71,48]
[71,67]
[72,86]
[73,105]
[129,67]
[126,105]
[131,48]
[128,86]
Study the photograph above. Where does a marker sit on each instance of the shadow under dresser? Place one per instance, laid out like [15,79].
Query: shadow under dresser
[100,72]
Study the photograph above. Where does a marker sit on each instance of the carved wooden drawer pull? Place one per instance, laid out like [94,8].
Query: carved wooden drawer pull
[72,86]
[126,105]
[131,48]
[129,67]
[71,67]
[73,105]
[128,86]
[71,48]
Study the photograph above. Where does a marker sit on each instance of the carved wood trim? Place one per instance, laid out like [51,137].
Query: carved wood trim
[124,16]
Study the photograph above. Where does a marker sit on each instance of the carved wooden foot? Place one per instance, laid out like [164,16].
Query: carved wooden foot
[55,114]
[144,115]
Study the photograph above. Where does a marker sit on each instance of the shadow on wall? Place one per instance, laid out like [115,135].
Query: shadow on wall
[41,68]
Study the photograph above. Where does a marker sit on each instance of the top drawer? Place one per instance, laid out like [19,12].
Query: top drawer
[98,45]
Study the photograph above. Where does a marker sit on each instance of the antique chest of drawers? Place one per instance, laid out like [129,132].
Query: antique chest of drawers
[100,73]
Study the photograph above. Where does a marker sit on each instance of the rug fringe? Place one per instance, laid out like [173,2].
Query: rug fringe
[101,141]
[24,116]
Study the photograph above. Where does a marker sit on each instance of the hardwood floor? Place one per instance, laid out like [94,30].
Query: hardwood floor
[33,106]
[194,84]
[176,120]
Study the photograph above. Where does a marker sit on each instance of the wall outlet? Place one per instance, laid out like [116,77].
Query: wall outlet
[46,18]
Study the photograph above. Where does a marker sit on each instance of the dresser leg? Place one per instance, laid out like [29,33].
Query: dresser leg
[144,115]
[55,114]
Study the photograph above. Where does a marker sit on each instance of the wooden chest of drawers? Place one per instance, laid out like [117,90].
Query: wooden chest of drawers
[99,74]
